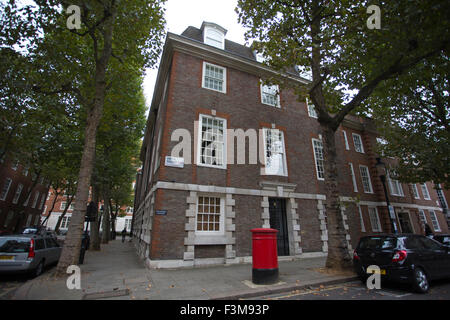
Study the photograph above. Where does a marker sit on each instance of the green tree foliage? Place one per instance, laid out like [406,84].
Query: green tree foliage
[76,67]
[347,62]
[413,114]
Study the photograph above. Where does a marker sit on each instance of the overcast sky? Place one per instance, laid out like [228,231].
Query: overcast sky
[181,14]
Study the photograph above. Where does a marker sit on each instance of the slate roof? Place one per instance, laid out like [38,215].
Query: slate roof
[230,46]
[235,48]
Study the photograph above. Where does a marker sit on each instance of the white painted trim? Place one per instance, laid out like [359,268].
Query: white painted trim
[199,142]
[285,169]
[360,140]
[213,28]
[347,146]
[180,263]
[211,237]
[224,84]
[278,105]
[432,213]
[315,159]
[361,219]
[352,173]
[378,219]
[368,176]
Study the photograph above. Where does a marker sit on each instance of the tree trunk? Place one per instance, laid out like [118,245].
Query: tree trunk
[106,225]
[72,244]
[95,239]
[338,251]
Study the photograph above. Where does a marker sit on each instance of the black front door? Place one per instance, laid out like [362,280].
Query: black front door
[405,223]
[277,210]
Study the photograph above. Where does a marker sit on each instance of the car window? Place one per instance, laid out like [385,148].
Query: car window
[443,239]
[378,243]
[51,243]
[12,245]
[39,244]
[413,243]
[430,244]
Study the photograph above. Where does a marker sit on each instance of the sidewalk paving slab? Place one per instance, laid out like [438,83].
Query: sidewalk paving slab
[116,269]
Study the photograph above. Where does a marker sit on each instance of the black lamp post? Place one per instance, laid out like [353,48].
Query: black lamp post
[381,169]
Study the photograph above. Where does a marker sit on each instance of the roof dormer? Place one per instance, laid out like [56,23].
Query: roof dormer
[213,34]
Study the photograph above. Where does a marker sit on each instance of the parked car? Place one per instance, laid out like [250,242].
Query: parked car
[442,238]
[408,258]
[28,253]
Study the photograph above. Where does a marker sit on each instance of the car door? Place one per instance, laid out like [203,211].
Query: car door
[40,251]
[438,258]
[55,249]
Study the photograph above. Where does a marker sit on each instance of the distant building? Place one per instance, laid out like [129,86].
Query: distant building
[196,208]
[60,205]
[21,203]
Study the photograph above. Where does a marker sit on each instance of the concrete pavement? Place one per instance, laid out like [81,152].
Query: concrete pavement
[116,273]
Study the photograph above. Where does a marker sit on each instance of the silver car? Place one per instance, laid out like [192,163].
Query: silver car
[28,253]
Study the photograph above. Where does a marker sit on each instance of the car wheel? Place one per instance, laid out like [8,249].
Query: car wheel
[420,281]
[38,271]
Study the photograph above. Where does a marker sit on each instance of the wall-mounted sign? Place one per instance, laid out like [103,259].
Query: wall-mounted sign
[161,212]
[174,162]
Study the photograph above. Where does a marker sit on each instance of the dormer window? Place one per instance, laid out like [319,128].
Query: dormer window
[214,35]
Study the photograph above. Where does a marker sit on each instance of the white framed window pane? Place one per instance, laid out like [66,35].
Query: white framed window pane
[361,220]
[365,177]
[209,214]
[415,191]
[270,95]
[214,38]
[5,188]
[357,141]
[319,158]
[41,204]
[374,219]
[27,200]
[27,224]
[434,221]
[422,216]
[17,194]
[214,77]
[352,173]
[347,147]
[311,108]
[212,141]
[395,187]
[62,206]
[425,193]
[9,218]
[274,152]
[441,197]
[36,197]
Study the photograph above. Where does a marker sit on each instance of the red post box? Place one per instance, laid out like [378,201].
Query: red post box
[265,256]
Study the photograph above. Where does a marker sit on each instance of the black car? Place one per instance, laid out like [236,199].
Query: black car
[442,238]
[409,258]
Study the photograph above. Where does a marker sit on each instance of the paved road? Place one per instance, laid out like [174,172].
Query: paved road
[355,290]
[10,282]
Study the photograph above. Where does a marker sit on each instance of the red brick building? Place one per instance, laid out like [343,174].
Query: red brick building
[197,206]
[21,203]
[60,204]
